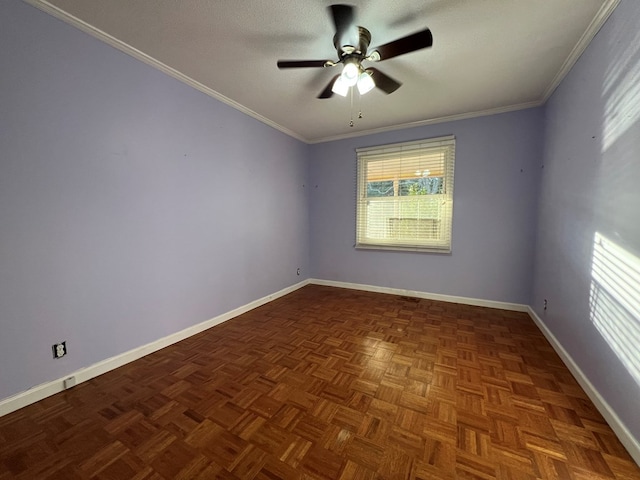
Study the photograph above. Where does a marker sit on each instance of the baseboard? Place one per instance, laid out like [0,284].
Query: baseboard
[45,390]
[628,440]
[42,391]
[516,307]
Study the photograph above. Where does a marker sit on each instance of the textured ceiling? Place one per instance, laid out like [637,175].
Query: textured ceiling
[488,56]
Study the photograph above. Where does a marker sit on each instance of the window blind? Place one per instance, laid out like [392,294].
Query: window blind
[405,195]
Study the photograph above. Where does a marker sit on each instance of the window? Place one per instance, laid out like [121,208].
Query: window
[405,196]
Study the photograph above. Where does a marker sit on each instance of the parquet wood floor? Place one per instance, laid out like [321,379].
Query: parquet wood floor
[328,383]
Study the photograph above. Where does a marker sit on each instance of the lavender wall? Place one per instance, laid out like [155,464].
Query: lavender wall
[131,205]
[116,184]
[588,248]
[496,179]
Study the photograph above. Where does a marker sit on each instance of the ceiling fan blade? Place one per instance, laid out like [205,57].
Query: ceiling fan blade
[383,82]
[302,63]
[407,44]
[343,16]
[327,92]
[343,19]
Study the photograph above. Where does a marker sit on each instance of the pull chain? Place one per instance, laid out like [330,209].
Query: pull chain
[351,112]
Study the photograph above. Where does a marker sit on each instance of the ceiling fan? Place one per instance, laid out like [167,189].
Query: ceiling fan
[351,42]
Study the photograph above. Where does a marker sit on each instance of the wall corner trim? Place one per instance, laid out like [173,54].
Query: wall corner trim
[594,27]
[39,392]
[624,435]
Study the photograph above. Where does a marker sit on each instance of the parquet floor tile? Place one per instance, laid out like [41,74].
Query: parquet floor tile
[328,383]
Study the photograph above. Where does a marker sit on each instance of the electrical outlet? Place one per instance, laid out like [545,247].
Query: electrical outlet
[298,272]
[545,304]
[59,350]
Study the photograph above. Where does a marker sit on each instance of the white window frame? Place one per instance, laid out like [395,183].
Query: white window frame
[435,228]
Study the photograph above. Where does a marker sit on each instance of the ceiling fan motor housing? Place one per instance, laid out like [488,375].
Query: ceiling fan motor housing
[364,39]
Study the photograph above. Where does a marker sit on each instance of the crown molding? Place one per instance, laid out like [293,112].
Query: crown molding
[432,121]
[603,14]
[143,57]
[594,27]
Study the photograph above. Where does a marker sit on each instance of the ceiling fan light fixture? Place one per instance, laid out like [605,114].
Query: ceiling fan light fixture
[365,83]
[352,46]
[350,73]
[340,87]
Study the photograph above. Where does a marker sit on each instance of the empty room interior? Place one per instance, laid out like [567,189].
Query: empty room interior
[231,246]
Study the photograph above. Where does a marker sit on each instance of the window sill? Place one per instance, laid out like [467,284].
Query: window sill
[404,248]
